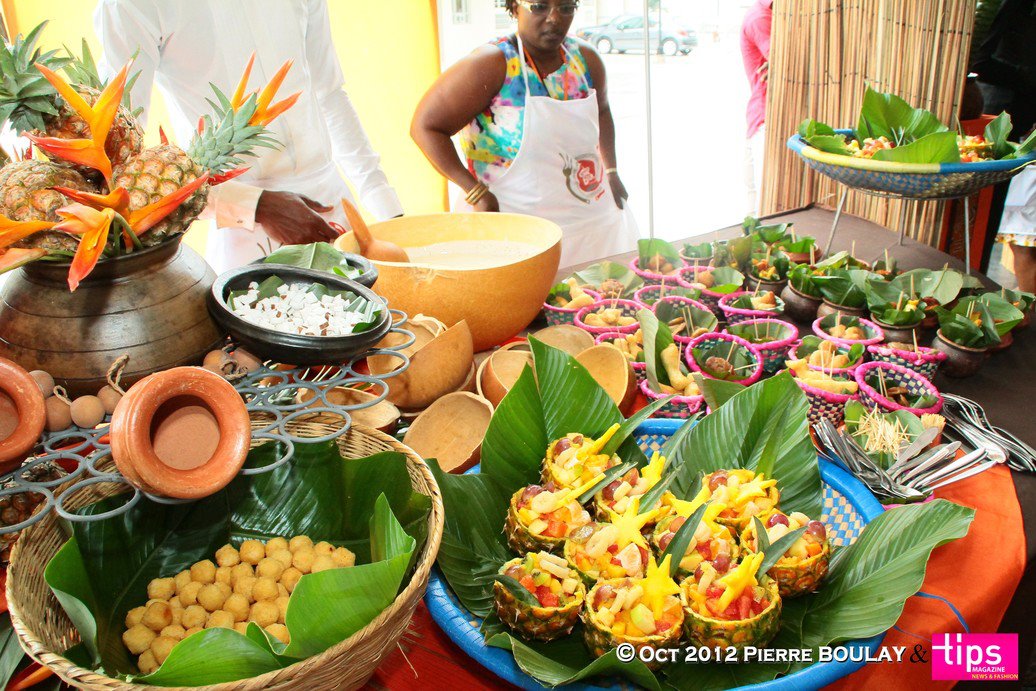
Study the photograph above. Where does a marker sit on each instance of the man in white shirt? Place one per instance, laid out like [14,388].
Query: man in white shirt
[290,193]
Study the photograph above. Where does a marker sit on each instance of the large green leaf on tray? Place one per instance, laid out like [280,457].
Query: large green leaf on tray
[942,286]
[104,569]
[888,115]
[11,653]
[318,256]
[937,147]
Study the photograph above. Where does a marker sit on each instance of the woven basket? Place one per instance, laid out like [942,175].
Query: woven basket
[564,315]
[651,278]
[846,372]
[629,309]
[824,404]
[756,372]
[688,275]
[677,300]
[874,333]
[735,315]
[915,384]
[677,408]
[649,295]
[775,352]
[925,361]
[45,630]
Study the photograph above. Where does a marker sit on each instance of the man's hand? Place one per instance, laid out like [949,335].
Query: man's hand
[488,202]
[292,219]
[618,190]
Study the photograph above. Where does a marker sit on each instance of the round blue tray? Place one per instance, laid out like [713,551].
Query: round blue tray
[848,507]
[908,180]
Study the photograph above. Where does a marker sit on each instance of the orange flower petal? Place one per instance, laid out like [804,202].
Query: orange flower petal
[13,231]
[16,256]
[93,226]
[106,107]
[146,218]
[270,90]
[274,111]
[229,175]
[239,94]
[81,151]
[117,199]
[75,101]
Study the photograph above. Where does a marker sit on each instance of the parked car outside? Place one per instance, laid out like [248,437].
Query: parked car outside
[626,33]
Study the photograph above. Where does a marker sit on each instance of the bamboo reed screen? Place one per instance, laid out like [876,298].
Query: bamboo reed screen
[823,53]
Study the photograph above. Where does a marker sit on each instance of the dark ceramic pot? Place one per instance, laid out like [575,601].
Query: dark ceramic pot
[799,306]
[897,334]
[753,284]
[827,308]
[960,361]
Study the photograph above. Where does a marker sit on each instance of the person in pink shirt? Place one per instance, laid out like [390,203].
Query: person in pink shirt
[755,51]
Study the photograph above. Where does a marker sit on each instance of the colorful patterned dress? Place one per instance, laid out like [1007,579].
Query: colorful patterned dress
[491,141]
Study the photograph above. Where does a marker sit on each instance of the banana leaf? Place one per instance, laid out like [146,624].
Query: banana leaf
[776,259]
[702,250]
[727,279]
[1018,298]
[942,286]
[716,391]
[823,137]
[10,651]
[105,567]
[997,132]
[887,115]
[801,278]
[1005,315]
[741,360]
[655,247]
[657,337]
[693,317]
[959,324]
[891,304]
[596,274]
[845,287]
[937,147]
[318,256]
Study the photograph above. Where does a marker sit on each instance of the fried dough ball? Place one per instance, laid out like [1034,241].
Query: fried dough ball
[161,647]
[252,551]
[241,627]
[134,616]
[203,572]
[161,588]
[343,557]
[227,556]
[303,560]
[244,586]
[138,638]
[157,616]
[284,556]
[282,591]
[189,595]
[175,603]
[177,615]
[225,589]
[264,613]
[191,631]
[323,563]
[220,619]
[264,589]
[211,597]
[300,542]
[147,662]
[182,579]
[269,568]
[237,605]
[173,631]
[224,574]
[282,605]
[194,616]
[275,544]
[279,631]
[290,578]
[323,548]
[240,571]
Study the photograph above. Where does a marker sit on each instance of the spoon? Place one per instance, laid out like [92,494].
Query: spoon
[370,246]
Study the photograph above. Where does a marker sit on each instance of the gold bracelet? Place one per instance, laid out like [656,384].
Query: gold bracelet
[609,171]
[476,193]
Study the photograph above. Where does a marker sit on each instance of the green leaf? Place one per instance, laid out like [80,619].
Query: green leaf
[1005,315]
[870,580]
[630,424]
[649,248]
[607,477]
[888,115]
[1025,147]
[728,279]
[516,440]
[213,656]
[657,337]
[768,418]
[717,391]
[10,651]
[318,256]
[519,591]
[997,132]
[268,287]
[776,550]
[596,274]
[845,287]
[762,537]
[938,147]
[677,547]
[943,286]
[693,317]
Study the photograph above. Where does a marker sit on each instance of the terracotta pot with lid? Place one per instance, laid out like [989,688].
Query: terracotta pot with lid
[22,414]
[182,433]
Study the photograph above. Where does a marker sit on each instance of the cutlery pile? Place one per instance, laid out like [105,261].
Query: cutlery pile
[968,420]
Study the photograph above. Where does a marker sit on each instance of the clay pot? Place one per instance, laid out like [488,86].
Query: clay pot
[149,305]
[799,306]
[753,284]
[961,361]
[897,334]
[181,433]
[827,308]
[22,414]
[804,257]
[1005,342]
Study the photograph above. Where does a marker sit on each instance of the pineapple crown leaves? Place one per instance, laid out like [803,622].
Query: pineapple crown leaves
[82,70]
[26,97]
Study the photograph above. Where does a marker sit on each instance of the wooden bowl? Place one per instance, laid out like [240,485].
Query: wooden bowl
[451,430]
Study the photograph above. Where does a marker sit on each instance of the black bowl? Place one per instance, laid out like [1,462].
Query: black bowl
[368,272]
[285,348]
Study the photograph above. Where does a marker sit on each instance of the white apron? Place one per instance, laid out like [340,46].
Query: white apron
[558,175]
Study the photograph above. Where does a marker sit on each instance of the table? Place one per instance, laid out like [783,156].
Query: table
[428,659]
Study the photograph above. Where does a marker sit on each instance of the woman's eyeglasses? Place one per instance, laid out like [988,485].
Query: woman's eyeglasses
[540,9]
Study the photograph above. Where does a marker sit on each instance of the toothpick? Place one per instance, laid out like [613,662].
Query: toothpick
[914,334]
[888,266]
[881,380]
[812,254]
[852,251]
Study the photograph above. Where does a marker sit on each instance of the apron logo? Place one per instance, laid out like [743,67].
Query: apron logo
[584,177]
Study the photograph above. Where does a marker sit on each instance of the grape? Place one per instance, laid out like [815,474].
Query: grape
[515,572]
[577,440]
[663,542]
[722,563]
[717,480]
[609,491]
[632,476]
[530,492]
[561,445]
[777,518]
[603,595]
[582,534]
[816,528]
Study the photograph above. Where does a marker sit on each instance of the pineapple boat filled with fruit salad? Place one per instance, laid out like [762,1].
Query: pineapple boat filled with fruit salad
[619,494]
[743,493]
[644,612]
[739,608]
[804,564]
[555,596]
[615,549]
[540,517]
[712,542]
[574,459]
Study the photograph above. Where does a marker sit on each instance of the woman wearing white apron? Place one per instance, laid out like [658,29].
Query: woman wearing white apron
[536,131]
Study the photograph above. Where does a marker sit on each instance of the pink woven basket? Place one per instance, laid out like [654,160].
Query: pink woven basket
[563,315]
[628,307]
[735,315]
[677,300]
[895,375]
[679,407]
[774,352]
[925,361]
[639,368]
[833,371]
[651,278]
[825,404]
[688,275]
[757,372]
[875,334]
[649,295]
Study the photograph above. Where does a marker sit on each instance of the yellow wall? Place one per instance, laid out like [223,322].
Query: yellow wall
[389,54]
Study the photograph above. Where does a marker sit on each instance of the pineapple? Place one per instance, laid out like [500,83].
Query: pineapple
[575,458]
[557,588]
[805,563]
[644,612]
[611,550]
[540,518]
[712,542]
[733,609]
[16,508]
[744,494]
[618,495]
[26,195]
[125,139]
[154,173]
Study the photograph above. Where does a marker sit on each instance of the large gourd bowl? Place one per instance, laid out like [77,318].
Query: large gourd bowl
[498,301]
[908,180]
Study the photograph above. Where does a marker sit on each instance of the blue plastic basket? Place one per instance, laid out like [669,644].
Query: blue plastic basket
[848,507]
[908,180]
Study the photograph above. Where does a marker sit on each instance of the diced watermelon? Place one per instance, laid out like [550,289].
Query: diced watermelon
[546,598]
[613,548]
[556,528]
[713,591]
[528,583]
[744,606]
